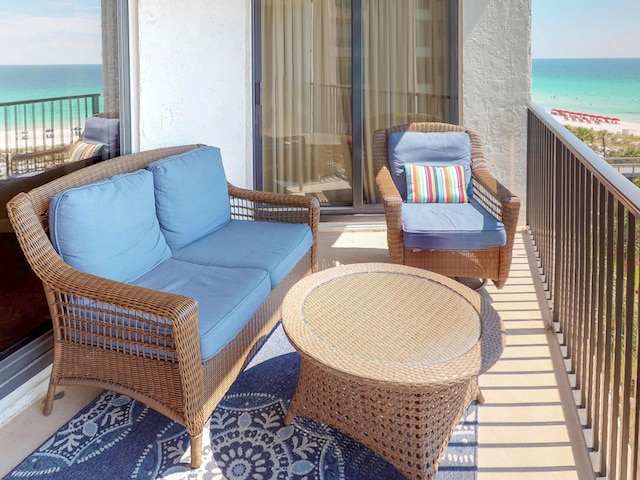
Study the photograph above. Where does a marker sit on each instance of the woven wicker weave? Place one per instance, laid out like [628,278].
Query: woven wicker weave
[156,358]
[491,264]
[390,356]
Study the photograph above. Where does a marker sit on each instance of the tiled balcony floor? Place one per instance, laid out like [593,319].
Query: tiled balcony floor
[528,427]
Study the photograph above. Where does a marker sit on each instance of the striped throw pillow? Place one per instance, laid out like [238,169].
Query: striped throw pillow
[83,150]
[427,184]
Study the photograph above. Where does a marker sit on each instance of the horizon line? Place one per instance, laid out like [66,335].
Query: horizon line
[45,64]
[585,58]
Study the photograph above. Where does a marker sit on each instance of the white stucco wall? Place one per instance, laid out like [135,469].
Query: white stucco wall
[496,73]
[193,78]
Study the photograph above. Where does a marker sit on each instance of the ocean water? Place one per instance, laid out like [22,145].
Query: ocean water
[31,82]
[603,86]
[609,86]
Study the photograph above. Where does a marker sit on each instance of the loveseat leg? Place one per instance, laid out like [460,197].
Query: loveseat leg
[196,450]
[48,401]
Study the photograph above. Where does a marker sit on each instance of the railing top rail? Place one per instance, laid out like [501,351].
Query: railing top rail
[40,100]
[625,191]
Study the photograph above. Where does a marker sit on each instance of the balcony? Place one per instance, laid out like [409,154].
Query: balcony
[561,401]
[34,133]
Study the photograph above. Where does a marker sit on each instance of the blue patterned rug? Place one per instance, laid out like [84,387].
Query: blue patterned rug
[115,437]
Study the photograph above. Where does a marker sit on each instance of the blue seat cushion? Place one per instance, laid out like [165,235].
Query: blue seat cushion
[227,298]
[192,198]
[271,246]
[435,149]
[109,228]
[451,226]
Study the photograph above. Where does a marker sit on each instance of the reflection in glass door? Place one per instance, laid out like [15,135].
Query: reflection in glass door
[306,99]
[327,82]
[47,93]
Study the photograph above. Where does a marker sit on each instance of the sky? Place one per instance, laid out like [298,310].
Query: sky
[41,32]
[585,29]
[68,31]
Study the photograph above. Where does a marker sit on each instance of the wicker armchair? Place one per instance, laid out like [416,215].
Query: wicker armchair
[486,263]
[159,366]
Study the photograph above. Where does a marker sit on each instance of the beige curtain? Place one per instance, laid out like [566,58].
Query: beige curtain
[307,91]
[405,60]
[283,94]
[306,106]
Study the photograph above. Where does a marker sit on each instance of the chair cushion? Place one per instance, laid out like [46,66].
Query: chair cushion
[227,297]
[450,226]
[105,131]
[428,148]
[109,228]
[192,198]
[271,246]
[427,184]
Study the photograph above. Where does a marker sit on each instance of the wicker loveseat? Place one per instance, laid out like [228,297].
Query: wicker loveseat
[183,278]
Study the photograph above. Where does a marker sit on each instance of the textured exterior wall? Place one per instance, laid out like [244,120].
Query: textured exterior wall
[496,73]
[110,70]
[193,81]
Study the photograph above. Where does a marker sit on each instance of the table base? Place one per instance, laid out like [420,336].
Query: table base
[407,426]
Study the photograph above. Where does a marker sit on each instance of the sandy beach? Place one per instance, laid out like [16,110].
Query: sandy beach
[28,140]
[38,139]
[621,127]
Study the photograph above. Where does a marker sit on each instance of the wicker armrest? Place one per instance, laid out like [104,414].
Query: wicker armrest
[274,199]
[495,197]
[276,207]
[387,188]
[171,307]
[41,153]
[249,204]
[392,203]
[172,319]
[391,199]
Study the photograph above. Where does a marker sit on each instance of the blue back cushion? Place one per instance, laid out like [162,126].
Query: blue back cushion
[105,131]
[192,199]
[437,149]
[109,228]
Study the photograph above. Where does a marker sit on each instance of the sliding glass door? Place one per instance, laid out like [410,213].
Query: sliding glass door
[329,73]
[51,81]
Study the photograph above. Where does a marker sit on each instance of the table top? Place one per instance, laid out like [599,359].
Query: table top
[392,323]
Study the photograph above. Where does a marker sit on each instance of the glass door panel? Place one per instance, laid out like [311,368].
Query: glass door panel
[45,101]
[334,71]
[405,70]
[306,99]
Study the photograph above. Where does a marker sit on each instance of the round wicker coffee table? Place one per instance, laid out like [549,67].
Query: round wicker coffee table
[390,356]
